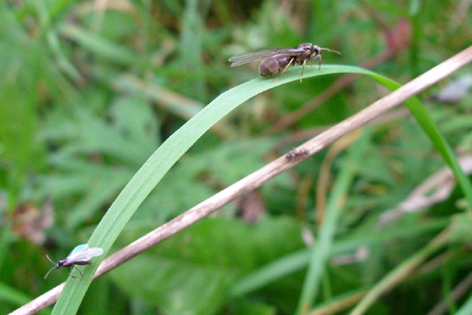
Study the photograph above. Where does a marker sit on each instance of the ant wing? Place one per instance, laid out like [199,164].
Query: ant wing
[78,249]
[84,253]
[262,54]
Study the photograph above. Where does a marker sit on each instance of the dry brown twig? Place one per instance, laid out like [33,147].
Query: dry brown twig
[459,291]
[262,175]
[433,190]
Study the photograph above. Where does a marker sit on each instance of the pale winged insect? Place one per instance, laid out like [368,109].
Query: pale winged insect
[80,255]
[278,60]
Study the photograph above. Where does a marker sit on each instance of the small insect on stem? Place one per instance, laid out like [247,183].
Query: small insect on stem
[294,155]
[278,60]
[80,255]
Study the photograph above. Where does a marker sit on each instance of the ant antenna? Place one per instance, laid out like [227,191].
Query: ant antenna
[331,50]
[51,268]
[50,260]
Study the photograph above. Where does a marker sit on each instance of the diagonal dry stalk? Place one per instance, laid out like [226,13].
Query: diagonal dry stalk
[262,175]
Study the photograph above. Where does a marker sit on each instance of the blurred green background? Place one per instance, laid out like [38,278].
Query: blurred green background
[90,89]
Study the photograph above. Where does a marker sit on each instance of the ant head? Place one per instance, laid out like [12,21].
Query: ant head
[57,265]
[315,52]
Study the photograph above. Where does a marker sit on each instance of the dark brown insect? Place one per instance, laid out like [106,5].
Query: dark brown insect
[278,60]
[294,155]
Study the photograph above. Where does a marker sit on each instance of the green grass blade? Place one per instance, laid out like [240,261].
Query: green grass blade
[162,160]
[400,272]
[324,241]
[466,308]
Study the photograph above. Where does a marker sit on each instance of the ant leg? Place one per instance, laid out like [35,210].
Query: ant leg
[319,64]
[79,271]
[68,272]
[286,67]
[303,69]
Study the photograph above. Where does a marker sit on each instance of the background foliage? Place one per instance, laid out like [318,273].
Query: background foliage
[89,90]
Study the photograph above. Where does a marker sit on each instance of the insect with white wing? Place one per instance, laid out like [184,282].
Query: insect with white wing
[80,255]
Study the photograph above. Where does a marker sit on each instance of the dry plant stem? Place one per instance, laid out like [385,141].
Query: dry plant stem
[264,174]
[433,190]
[436,263]
[41,302]
[458,292]
[303,196]
[300,136]
[340,305]
[400,273]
